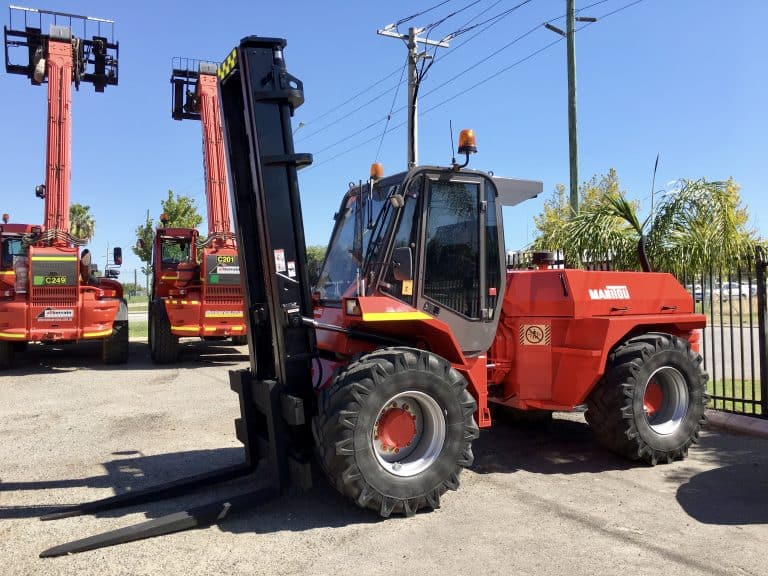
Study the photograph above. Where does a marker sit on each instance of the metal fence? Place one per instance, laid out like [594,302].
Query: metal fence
[733,343]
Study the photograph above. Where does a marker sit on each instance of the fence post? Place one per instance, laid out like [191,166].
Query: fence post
[762,327]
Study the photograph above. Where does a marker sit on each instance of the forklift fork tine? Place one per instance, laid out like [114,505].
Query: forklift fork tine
[161,491]
[198,517]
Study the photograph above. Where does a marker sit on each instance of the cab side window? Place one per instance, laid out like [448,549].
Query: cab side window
[452,250]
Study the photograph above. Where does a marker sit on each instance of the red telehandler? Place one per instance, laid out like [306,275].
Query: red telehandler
[387,372]
[196,284]
[47,290]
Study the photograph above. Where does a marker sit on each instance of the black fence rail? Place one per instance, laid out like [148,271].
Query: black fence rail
[733,343]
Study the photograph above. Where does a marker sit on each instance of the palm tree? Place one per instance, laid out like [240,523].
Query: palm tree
[697,226]
[81,224]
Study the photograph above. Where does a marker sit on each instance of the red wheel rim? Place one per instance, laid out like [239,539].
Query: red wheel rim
[653,399]
[396,428]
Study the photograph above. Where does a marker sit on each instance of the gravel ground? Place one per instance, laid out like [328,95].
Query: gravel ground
[537,501]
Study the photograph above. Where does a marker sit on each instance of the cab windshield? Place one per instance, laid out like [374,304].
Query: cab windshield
[174,250]
[11,246]
[345,253]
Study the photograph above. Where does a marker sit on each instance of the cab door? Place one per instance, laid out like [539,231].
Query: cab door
[459,261]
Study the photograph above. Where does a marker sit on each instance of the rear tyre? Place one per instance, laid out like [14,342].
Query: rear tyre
[114,348]
[163,345]
[239,340]
[395,429]
[20,346]
[650,403]
[7,352]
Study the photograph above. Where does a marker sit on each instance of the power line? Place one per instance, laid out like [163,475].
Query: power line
[498,19]
[528,57]
[412,16]
[492,21]
[354,97]
[437,23]
[468,89]
[391,108]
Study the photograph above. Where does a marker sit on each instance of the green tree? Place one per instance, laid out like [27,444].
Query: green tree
[315,257]
[556,224]
[698,225]
[145,234]
[181,211]
[81,223]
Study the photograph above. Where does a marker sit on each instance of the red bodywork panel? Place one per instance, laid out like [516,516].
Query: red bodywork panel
[55,304]
[556,329]
[197,307]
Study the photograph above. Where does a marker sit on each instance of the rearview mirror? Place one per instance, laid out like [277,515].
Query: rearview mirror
[117,256]
[402,263]
[140,244]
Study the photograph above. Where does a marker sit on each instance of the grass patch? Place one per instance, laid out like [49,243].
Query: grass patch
[729,312]
[739,396]
[138,329]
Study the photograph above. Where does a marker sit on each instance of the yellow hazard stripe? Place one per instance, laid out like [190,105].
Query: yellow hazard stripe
[238,328]
[376,316]
[226,67]
[191,302]
[185,328]
[11,335]
[170,277]
[6,272]
[54,258]
[97,334]
[214,315]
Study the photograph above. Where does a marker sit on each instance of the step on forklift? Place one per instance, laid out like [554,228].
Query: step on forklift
[196,289]
[48,292]
[387,372]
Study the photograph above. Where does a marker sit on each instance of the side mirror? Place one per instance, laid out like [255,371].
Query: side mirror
[117,256]
[402,263]
[140,244]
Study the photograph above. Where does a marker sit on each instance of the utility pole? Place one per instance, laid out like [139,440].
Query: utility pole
[412,41]
[573,147]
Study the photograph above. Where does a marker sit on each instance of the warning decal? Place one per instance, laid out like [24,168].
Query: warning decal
[535,335]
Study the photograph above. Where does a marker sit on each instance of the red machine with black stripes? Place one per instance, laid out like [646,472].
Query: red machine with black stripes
[196,288]
[47,290]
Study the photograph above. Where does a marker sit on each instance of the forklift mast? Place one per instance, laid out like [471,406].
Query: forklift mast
[196,97]
[258,99]
[61,59]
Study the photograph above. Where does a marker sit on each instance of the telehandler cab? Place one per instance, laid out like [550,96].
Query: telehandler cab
[386,373]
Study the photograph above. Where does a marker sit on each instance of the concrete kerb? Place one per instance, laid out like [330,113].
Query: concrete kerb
[738,423]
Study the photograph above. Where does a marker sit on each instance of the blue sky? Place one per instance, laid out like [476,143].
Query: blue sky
[683,78]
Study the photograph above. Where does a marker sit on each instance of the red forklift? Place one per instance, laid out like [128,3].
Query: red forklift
[48,292]
[196,288]
[386,374]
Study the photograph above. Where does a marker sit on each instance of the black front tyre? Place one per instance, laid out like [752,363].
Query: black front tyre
[395,429]
[163,345]
[7,352]
[239,340]
[114,348]
[651,402]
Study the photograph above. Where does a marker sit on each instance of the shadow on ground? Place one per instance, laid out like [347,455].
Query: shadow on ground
[53,358]
[733,492]
[564,445]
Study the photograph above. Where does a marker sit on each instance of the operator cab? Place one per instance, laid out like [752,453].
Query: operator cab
[431,238]
[11,245]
